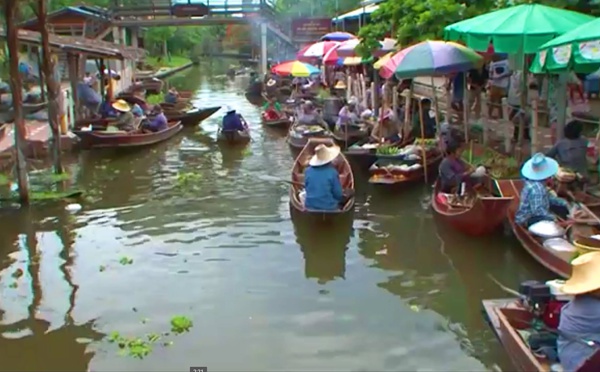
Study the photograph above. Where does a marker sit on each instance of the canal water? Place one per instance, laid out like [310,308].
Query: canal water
[212,240]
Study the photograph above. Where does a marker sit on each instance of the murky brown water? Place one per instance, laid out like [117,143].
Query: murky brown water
[395,292]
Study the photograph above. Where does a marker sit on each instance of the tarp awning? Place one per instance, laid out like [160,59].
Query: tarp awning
[356,13]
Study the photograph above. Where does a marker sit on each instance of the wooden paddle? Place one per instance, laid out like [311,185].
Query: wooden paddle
[583,207]
[277,179]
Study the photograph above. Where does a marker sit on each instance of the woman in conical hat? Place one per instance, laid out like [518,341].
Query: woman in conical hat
[322,181]
[579,327]
[536,202]
[126,119]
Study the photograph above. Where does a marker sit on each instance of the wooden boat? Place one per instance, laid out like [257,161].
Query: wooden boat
[192,117]
[555,261]
[283,122]
[234,137]
[507,317]
[381,176]
[297,140]
[484,215]
[179,106]
[120,139]
[7,112]
[364,158]
[151,85]
[343,168]
[348,138]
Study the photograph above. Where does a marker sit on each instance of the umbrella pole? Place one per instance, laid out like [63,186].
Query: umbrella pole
[523,107]
[407,108]
[423,141]
[465,107]
[436,106]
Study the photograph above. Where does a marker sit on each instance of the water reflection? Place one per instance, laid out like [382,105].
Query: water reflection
[324,249]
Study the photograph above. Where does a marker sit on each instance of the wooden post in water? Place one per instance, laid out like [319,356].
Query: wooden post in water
[52,85]
[535,140]
[73,64]
[12,41]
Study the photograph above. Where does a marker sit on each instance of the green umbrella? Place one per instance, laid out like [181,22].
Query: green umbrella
[518,29]
[578,50]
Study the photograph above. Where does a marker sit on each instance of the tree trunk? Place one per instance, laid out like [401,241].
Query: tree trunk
[52,85]
[12,34]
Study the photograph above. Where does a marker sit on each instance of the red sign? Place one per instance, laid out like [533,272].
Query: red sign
[310,28]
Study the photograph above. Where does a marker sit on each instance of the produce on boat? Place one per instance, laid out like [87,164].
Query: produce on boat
[498,165]
[299,135]
[406,164]
[296,188]
[95,139]
[479,212]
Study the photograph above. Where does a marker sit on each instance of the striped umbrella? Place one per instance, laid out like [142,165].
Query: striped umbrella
[295,68]
[332,58]
[348,48]
[430,58]
[382,61]
[316,50]
[337,36]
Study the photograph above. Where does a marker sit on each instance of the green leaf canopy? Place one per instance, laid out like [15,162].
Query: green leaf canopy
[578,50]
[518,29]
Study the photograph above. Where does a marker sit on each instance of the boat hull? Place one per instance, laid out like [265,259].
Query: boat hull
[553,261]
[193,117]
[482,218]
[94,140]
[233,137]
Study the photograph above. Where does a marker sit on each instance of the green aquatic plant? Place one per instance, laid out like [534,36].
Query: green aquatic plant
[188,179]
[247,152]
[135,347]
[4,180]
[126,260]
[181,324]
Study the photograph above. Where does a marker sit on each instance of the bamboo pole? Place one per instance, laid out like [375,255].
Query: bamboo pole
[534,127]
[423,141]
[466,108]
[407,109]
[436,106]
[508,134]
[12,41]
[51,85]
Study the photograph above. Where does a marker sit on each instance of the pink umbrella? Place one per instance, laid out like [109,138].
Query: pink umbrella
[316,50]
[348,48]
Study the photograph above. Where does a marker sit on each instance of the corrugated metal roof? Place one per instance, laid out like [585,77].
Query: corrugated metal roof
[94,48]
[356,13]
[84,10]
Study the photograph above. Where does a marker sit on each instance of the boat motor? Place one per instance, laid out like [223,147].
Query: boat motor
[538,299]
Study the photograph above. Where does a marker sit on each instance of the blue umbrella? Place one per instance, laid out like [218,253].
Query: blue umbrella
[337,36]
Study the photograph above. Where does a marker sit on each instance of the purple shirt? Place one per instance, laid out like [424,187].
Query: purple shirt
[158,123]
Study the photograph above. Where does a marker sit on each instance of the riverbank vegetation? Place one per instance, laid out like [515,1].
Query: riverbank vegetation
[411,21]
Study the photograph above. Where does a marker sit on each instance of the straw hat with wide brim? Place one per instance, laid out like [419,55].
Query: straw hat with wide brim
[585,276]
[324,155]
[340,85]
[539,167]
[121,105]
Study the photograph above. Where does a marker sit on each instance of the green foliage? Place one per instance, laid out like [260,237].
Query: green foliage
[312,8]
[412,21]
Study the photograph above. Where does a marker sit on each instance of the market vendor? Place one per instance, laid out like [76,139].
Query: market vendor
[322,181]
[309,115]
[387,129]
[157,121]
[125,120]
[348,114]
[571,151]
[272,109]
[429,126]
[453,171]
[172,96]
[537,203]
[580,318]
[232,121]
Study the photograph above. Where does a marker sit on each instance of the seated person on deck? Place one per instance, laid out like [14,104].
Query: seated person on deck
[272,110]
[429,126]
[232,121]
[348,114]
[309,115]
[571,151]
[322,182]
[387,129]
[536,202]
[172,96]
[157,121]
[125,120]
[580,318]
[453,171]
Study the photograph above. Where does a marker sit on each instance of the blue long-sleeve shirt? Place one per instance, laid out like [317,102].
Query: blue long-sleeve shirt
[232,122]
[579,322]
[536,201]
[323,188]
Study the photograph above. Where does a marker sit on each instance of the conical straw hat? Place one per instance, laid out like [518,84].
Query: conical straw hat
[585,276]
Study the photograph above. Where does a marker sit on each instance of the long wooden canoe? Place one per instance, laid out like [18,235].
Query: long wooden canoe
[482,217]
[297,141]
[434,158]
[301,163]
[507,317]
[233,137]
[282,122]
[349,138]
[120,139]
[192,117]
[555,261]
